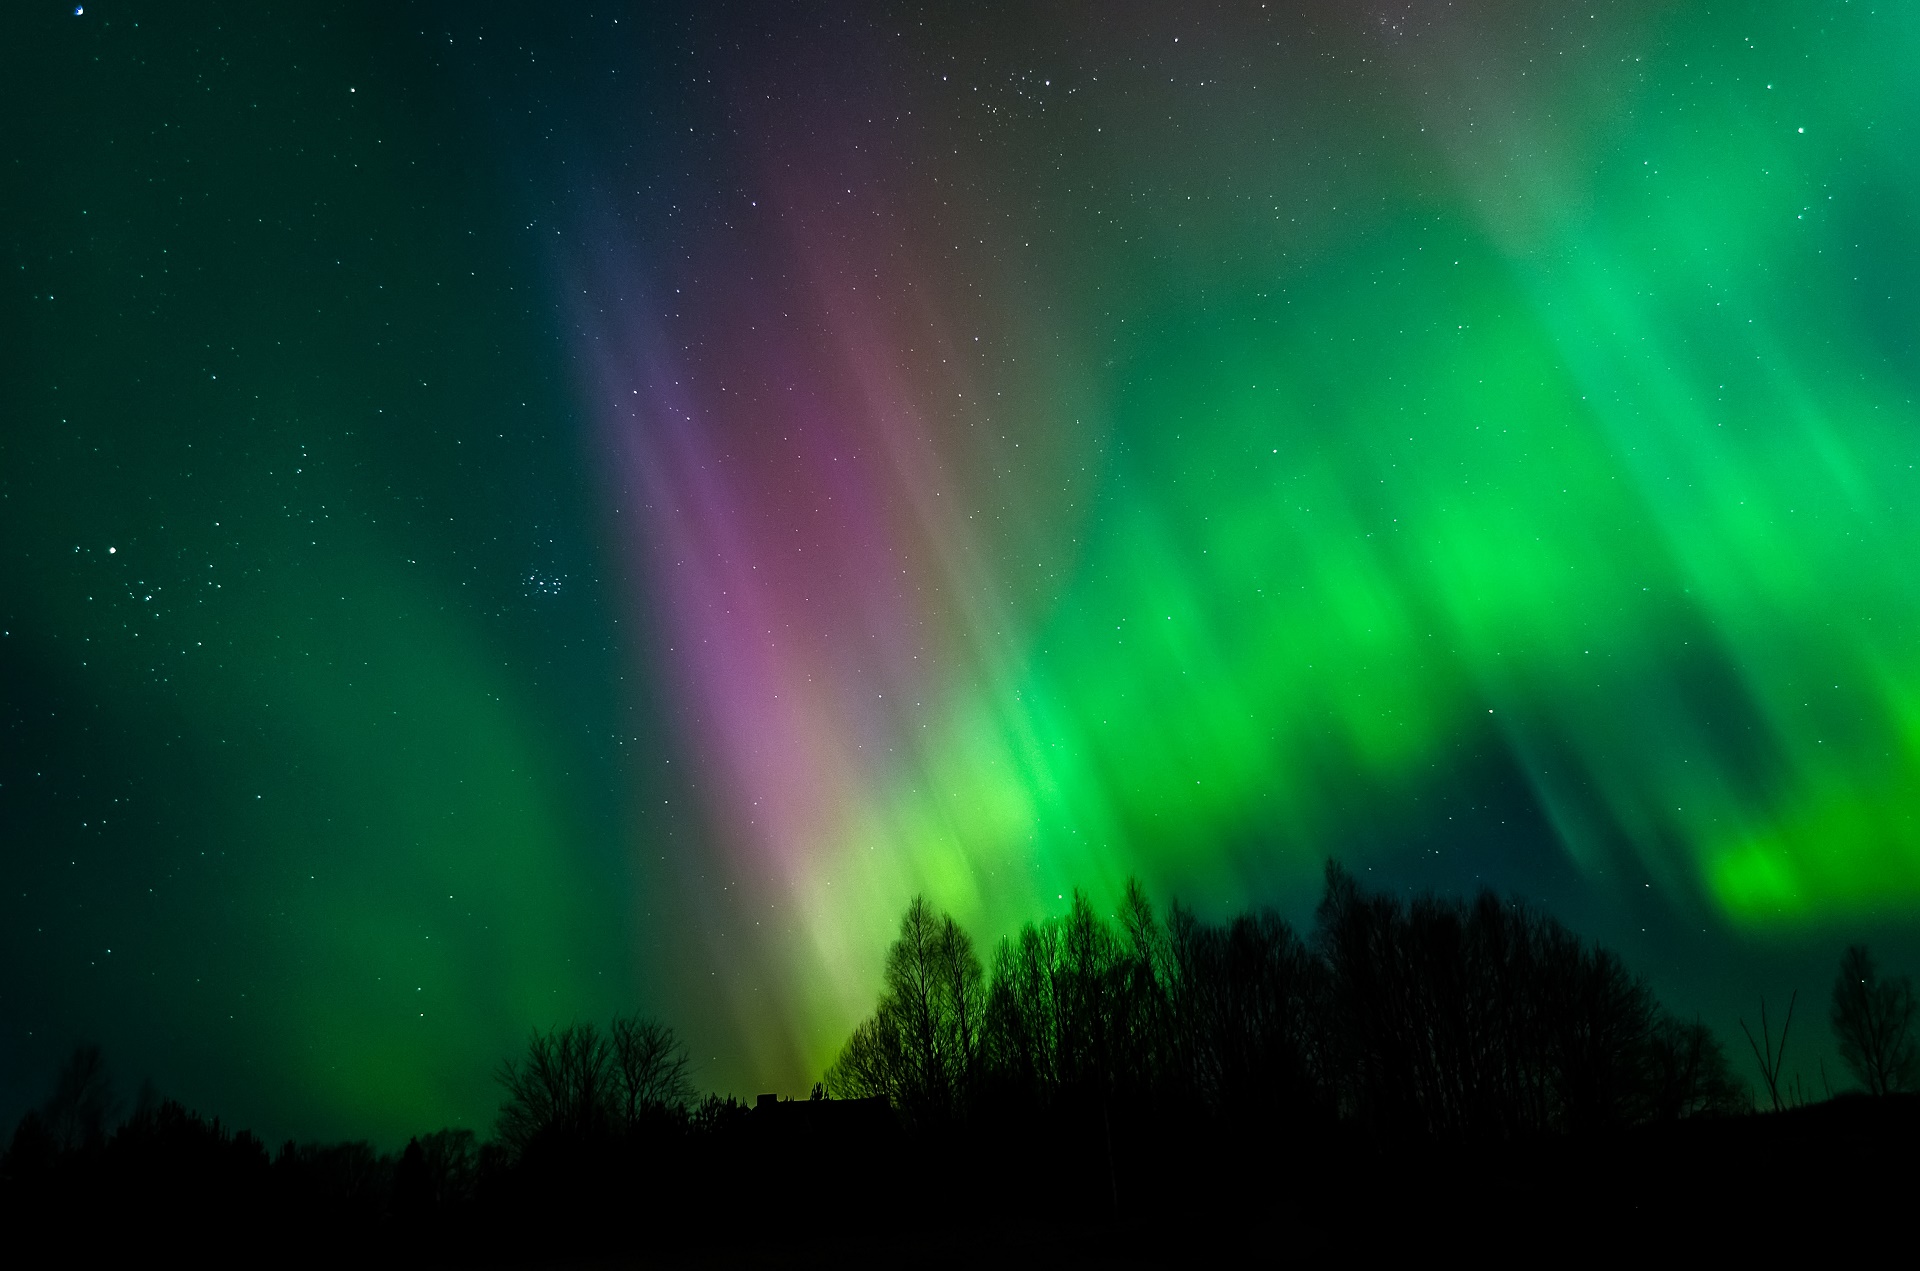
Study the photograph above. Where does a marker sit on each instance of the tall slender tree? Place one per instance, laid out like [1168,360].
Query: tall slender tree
[920,1048]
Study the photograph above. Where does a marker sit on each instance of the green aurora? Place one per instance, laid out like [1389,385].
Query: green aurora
[1478,441]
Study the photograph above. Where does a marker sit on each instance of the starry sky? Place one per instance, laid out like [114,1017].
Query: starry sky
[510,516]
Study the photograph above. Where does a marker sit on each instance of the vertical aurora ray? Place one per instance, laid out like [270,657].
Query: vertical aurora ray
[1074,455]
[1711,307]
[810,527]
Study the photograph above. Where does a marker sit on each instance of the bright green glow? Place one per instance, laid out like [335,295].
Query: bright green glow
[440,871]
[1183,465]
[308,809]
[399,889]
[1604,441]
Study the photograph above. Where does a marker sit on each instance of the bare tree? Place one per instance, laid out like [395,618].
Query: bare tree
[1432,1016]
[871,1064]
[914,989]
[1873,1022]
[1766,1054]
[564,1087]
[649,1069]
[920,1048]
[1023,1014]
[1085,997]
[962,1001]
[1145,970]
[82,1105]
[1688,1074]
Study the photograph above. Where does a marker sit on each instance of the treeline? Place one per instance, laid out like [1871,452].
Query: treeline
[162,1165]
[1107,1076]
[1432,1018]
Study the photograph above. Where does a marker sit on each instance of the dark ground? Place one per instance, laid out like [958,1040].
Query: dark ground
[795,1189]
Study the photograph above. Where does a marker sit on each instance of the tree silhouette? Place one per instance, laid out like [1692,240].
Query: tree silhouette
[1429,1017]
[564,1088]
[872,1064]
[452,1165]
[1688,1073]
[1766,1054]
[1486,1020]
[82,1105]
[1113,1072]
[920,1048]
[1022,1017]
[1873,1023]
[578,1084]
[1242,1003]
[649,1070]
[1074,1014]
[1145,970]
[963,998]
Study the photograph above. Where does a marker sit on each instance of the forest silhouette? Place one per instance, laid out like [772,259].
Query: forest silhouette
[1153,1081]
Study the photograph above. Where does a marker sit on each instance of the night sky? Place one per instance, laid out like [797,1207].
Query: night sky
[512,516]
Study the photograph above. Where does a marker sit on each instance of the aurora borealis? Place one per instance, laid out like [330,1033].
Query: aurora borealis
[510,518]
